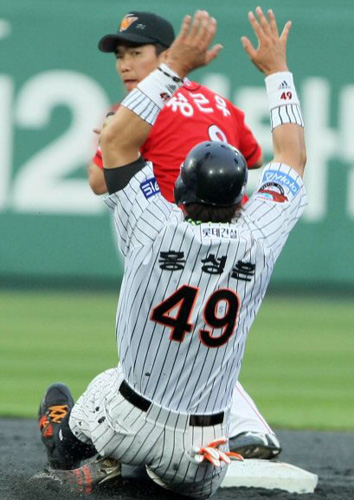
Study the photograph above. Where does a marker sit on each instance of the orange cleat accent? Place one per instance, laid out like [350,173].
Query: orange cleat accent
[45,427]
[58,412]
[53,409]
[97,474]
[54,414]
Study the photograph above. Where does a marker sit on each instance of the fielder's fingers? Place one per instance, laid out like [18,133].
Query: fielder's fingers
[199,35]
[211,31]
[213,53]
[206,34]
[263,21]
[187,21]
[255,25]
[273,23]
[248,46]
[207,30]
[195,26]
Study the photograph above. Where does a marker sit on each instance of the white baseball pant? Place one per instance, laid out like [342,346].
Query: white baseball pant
[158,438]
[245,415]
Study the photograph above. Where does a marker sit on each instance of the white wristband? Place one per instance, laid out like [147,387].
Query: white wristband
[151,94]
[284,105]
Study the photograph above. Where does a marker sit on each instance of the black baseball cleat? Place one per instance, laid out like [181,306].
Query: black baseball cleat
[255,445]
[55,406]
[98,474]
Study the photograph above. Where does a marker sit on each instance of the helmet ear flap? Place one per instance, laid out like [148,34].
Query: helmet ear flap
[180,190]
[241,195]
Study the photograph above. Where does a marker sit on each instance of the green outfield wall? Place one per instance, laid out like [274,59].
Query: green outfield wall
[55,87]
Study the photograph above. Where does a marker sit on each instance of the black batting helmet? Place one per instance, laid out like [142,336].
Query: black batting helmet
[214,173]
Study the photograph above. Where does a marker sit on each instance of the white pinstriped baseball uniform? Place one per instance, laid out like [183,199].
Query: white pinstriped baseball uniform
[189,295]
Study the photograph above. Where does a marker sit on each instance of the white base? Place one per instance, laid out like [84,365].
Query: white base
[269,475]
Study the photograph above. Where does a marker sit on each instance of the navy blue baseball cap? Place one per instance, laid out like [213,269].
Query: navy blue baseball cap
[140,28]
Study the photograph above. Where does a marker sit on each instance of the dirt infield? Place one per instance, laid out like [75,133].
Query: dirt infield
[330,455]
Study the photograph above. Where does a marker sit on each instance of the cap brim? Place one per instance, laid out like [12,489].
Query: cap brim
[109,42]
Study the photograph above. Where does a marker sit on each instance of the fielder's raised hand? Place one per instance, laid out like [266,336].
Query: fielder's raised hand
[191,50]
[270,55]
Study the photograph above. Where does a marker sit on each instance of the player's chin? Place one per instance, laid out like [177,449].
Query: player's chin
[130,85]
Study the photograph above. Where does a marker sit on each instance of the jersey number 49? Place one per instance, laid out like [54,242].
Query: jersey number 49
[184,300]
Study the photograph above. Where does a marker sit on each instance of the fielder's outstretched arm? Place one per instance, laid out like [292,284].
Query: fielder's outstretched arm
[285,113]
[127,131]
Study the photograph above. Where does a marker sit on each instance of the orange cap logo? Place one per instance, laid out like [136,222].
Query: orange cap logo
[126,22]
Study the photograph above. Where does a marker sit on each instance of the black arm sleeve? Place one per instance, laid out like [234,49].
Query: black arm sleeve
[118,178]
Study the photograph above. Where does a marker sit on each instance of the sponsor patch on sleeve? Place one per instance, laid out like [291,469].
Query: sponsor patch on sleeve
[272,191]
[150,187]
[279,178]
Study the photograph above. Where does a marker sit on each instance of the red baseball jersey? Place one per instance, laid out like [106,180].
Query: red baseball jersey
[193,115]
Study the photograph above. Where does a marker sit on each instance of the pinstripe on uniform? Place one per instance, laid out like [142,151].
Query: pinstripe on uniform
[203,378]
[190,375]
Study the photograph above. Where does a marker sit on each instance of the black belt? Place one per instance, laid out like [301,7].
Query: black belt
[144,404]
